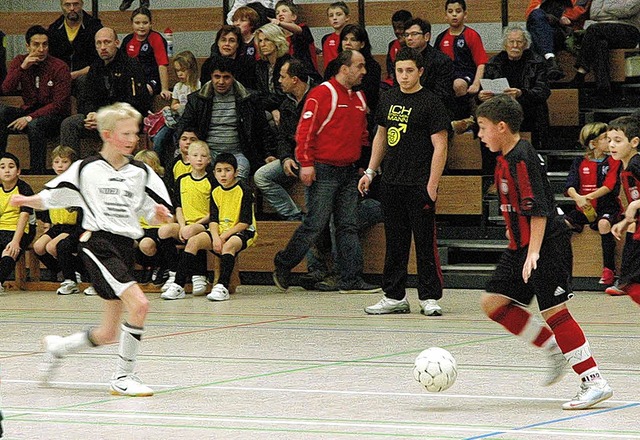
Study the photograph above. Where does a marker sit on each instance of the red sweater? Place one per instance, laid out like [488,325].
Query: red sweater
[333,126]
[46,87]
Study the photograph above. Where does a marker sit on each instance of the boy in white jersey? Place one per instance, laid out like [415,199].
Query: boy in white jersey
[114,191]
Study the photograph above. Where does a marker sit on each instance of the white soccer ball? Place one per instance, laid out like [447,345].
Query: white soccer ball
[436,369]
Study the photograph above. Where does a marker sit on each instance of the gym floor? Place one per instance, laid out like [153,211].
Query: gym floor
[310,365]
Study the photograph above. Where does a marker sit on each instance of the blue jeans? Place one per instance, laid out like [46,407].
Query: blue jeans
[271,180]
[333,192]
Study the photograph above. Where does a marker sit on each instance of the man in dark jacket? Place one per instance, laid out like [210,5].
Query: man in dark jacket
[71,39]
[230,119]
[45,86]
[114,77]
[527,75]
[273,177]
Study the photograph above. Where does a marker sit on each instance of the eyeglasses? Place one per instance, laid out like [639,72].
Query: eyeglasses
[412,34]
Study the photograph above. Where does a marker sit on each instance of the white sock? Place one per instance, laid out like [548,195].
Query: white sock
[128,350]
[73,343]
[549,55]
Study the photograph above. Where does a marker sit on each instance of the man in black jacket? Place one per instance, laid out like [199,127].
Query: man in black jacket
[71,39]
[230,119]
[114,77]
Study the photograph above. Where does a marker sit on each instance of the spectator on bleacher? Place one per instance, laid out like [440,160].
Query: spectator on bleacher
[57,247]
[301,43]
[247,20]
[229,44]
[464,46]
[45,86]
[594,185]
[398,20]
[181,165]
[264,9]
[17,224]
[230,119]
[71,39]
[150,48]
[3,57]
[274,52]
[617,26]
[329,140]
[355,37]
[550,22]
[272,178]
[113,78]
[438,68]
[338,15]
[412,160]
[526,72]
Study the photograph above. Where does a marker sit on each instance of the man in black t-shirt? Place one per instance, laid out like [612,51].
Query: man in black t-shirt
[412,140]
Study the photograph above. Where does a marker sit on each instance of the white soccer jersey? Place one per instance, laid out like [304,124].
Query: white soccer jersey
[112,200]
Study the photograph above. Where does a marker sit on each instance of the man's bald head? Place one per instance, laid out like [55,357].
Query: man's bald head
[107,44]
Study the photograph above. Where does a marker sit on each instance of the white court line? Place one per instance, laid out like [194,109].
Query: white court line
[245,421]
[80,385]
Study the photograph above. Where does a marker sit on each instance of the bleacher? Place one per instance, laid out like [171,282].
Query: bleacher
[470,232]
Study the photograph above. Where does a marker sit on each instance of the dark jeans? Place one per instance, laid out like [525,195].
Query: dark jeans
[598,39]
[408,211]
[72,131]
[333,192]
[546,37]
[38,131]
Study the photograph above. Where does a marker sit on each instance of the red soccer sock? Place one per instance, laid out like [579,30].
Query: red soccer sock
[574,345]
[633,290]
[521,323]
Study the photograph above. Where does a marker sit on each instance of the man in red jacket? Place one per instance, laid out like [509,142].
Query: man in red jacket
[45,85]
[329,139]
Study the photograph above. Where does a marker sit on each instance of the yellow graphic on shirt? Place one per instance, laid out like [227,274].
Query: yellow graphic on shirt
[397,113]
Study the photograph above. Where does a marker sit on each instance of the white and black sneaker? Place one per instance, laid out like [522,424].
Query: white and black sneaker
[130,386]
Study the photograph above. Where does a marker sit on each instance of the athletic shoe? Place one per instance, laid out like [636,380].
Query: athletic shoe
[171,280]
[145,276]
[608,277]
[557,365]
[126,4]
[199,285]
[281,278]
[589,394]
[615,290]
[159,276]
[430,307]
[2,291]
[51,360]
[309,280]
[218,293]
[90,291]
[387,305]
[174,291]
[78,278]
[130,386]
[68,287]
[361,286]
[326,285]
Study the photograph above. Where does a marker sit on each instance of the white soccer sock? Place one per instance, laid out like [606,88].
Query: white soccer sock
[549,55]
[73,343]
[128,349]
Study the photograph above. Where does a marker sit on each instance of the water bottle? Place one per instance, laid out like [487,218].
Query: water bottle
[168,35]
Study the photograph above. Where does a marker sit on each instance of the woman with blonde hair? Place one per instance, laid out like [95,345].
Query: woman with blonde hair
[274,52]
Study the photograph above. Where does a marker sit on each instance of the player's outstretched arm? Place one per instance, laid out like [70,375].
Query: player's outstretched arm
[34,201]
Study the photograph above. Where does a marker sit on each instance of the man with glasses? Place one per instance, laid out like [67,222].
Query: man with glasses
[71,39]
[438,68]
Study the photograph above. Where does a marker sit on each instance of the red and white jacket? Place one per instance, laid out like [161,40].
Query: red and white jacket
[333,126]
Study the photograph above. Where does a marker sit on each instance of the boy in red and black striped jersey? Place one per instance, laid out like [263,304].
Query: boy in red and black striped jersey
[594,184]
[624,137]
[538,260]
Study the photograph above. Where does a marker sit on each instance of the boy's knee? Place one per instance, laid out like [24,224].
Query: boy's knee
[490,302]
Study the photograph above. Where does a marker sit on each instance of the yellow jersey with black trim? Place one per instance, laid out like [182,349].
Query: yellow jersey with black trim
[64,216]
[9,214]
[194,196]
[180,168]
[145,225]
[233,205]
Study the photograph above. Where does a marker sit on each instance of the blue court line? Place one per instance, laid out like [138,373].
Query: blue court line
[549,422]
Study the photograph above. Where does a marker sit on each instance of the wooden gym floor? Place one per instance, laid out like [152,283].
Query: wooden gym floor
[310,365]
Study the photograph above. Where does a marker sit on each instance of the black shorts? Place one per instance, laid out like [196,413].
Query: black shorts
[578,219]
[55,230]
[110,260]
[550,283]
[151,233]
[630,269]
[25,241]
[244,236]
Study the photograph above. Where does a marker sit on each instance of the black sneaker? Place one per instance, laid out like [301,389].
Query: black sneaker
[159,276]
[361,286]
[281,278]
[309,280]
[327,285]
[126,4]
[554,72]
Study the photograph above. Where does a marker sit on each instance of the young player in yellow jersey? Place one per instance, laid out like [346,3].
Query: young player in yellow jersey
[232,229]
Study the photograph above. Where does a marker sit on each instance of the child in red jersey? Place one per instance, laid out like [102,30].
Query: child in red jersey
[594,184]
[397,21]
[338,15]
[538,261]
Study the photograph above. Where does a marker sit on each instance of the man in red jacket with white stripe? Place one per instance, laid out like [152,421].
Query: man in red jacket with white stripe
[329,138]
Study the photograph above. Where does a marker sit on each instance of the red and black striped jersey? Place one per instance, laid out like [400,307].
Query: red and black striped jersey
[587,175]
[630,177]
